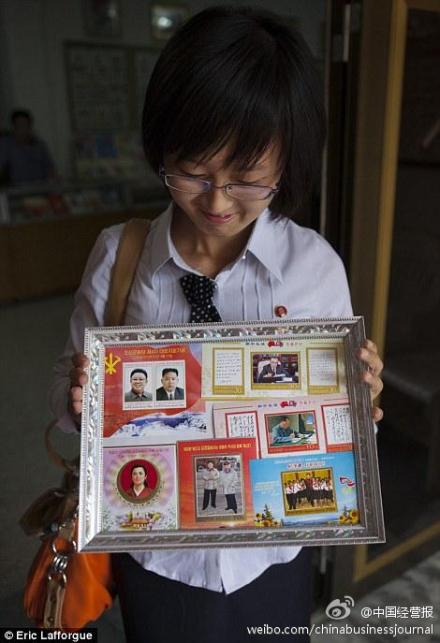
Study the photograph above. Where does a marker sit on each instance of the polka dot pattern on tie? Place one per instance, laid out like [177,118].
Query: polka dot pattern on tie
[199,291]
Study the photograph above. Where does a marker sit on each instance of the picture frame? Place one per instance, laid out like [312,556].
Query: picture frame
[200,457]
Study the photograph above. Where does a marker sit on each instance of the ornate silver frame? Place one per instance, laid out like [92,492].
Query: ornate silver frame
[371,528]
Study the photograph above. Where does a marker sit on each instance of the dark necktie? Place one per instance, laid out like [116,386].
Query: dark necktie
[198,291]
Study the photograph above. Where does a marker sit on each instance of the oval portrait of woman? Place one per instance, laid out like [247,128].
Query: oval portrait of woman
[138,481]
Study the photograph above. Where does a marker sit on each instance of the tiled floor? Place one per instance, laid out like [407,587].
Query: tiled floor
[32,335]
[418,587]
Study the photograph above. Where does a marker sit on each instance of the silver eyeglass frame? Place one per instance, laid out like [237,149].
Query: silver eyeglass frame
[211,186]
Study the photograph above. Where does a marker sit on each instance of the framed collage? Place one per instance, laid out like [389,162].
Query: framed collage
[227,434]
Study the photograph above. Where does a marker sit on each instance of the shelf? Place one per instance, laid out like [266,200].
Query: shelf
[47,257]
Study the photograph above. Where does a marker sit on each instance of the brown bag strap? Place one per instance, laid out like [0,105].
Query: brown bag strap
[128,254]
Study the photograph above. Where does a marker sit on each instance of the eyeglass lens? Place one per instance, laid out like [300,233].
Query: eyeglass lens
[198,186]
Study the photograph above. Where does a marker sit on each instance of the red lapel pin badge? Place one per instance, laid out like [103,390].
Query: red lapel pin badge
[280,311]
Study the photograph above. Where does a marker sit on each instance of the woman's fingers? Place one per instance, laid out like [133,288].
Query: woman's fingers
[377,414]
[369,355]
[375,383]
[78,379]
[80,360]
[76,397]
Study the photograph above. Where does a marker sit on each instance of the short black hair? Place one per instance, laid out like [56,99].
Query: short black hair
[21,113]
[285,418]
[170,370]
[238,76]
[139,370]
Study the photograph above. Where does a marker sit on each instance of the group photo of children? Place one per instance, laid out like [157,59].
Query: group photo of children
[309,491]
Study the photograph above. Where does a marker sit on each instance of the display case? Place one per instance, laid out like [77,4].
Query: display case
[47,230]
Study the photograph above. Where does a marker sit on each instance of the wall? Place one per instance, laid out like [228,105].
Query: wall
[32,71]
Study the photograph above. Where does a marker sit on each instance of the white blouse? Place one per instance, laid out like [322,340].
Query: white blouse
[283,264]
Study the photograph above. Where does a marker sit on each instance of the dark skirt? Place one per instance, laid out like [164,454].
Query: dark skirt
[156,609]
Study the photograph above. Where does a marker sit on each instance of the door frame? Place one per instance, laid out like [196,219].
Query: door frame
[381,71]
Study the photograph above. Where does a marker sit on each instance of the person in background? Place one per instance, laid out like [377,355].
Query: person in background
[24,158]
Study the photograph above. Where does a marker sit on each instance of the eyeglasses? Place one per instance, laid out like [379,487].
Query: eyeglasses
[191,185]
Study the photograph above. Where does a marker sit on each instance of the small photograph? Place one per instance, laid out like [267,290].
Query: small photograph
[139,488]
[275,370]
[138,481]
[303,490]
[219,487]
[170,384]
[308,492]
[214,483]
[137,385]
[290,431]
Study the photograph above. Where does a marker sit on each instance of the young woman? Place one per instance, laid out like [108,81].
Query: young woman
[139,483]
[234,124]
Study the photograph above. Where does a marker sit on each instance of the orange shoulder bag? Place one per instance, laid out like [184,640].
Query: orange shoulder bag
[66,589]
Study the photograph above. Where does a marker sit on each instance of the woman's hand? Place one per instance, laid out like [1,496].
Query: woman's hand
[368,354]
[78,378]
